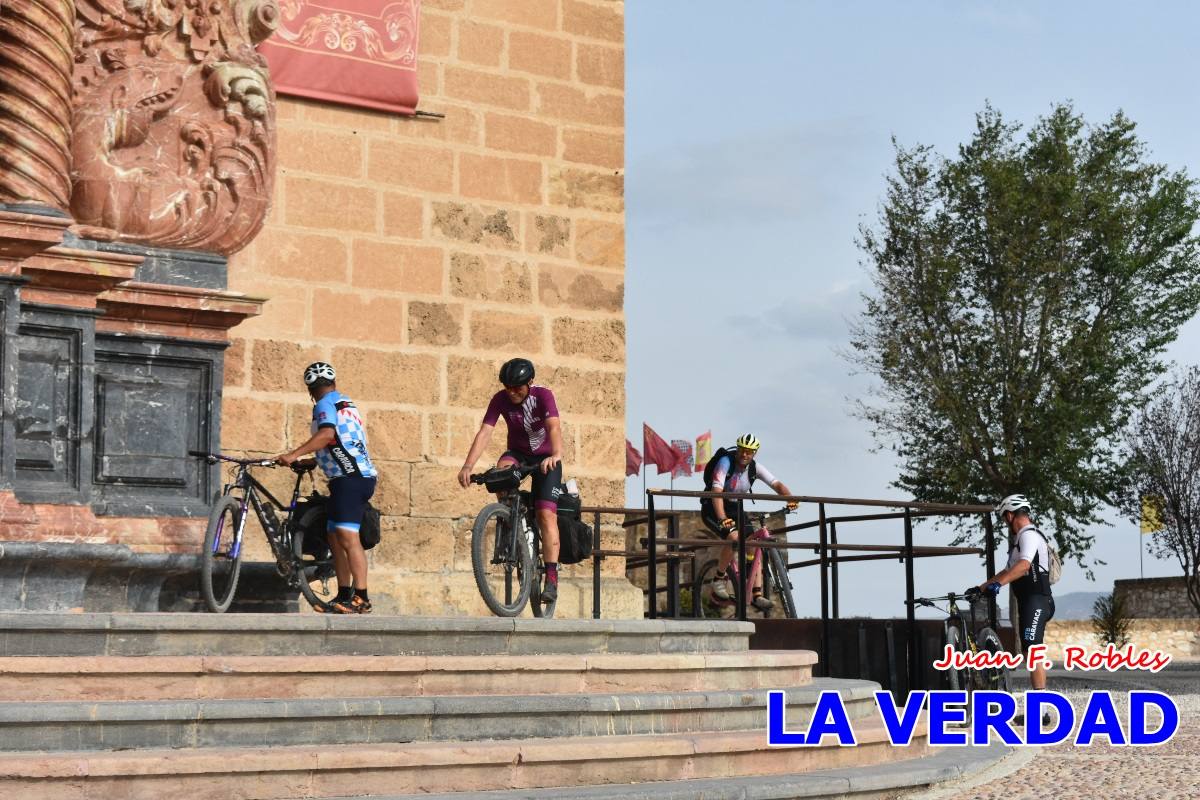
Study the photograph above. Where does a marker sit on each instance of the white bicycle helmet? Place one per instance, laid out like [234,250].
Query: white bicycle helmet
[1014,503]
[318,370]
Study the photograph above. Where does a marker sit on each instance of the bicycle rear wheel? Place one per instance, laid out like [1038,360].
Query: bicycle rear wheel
[220,566]
[504,573]
[996,677]
[782,582]
[314,576]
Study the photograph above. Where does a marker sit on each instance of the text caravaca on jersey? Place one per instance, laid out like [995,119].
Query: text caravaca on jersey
[956,718]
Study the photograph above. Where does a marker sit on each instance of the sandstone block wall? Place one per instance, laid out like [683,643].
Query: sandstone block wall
[417,255]
[1156,598]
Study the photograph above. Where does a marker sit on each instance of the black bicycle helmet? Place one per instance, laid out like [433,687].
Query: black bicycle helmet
[516,372]
[319,371]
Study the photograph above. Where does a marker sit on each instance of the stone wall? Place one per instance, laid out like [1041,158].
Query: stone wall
[1155,598]
[1180,638]
[417,255]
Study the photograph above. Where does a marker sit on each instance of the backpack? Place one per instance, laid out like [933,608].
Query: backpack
[711,466]
[1055,566]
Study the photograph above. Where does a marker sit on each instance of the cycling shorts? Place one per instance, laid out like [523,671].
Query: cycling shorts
[348,496]
[546,488]
[1034,611]
[709,517]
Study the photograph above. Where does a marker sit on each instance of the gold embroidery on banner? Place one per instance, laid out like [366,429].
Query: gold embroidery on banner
[389,39]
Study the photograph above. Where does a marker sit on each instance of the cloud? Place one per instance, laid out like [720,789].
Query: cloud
[766,177]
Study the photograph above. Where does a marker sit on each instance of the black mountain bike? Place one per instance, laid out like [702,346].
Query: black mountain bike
[771,561]
[972,636]
[506,546]
[310,570]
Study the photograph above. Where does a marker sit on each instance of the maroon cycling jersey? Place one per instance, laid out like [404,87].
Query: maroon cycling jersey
[527,432]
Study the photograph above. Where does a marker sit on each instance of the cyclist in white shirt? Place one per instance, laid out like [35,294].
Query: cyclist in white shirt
[1028,571]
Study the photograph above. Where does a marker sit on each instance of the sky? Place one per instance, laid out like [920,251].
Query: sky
[758,138]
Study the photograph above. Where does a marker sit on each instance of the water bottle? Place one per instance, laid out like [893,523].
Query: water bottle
[572,486]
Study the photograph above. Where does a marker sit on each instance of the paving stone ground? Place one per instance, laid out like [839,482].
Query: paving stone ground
[1066,772]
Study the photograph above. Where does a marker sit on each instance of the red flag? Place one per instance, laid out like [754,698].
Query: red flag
[658,452]
[633,460]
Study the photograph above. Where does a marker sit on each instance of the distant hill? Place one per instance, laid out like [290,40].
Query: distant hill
[1075,605]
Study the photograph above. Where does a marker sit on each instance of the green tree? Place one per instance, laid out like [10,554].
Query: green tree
[1024,294]
[1163,448]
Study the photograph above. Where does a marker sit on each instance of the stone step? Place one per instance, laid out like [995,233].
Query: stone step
[47,726]
[40,634]
[946,764]
[98,678]
[274,773]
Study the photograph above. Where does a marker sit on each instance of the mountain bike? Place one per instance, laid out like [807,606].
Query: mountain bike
[964,636]
[309,570]
[776,582]
[506,546]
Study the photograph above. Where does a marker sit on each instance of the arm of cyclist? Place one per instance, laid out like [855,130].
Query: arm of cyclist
[478,445]
[1005,576]
[319,440]
[554,428]
[781,488]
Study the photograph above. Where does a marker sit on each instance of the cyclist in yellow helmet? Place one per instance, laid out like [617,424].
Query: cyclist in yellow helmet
[735,469]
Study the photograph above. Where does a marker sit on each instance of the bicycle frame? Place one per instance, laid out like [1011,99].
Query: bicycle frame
[251,487]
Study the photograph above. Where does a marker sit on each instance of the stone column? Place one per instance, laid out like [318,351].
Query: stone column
[36,63]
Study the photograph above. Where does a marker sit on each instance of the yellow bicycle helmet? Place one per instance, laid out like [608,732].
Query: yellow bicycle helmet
[748,441]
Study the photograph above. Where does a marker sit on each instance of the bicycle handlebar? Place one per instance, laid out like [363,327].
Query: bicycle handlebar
[951,597]
[521,470]
[213,458]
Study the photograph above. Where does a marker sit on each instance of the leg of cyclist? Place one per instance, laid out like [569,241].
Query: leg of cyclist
[760,568]
[348,498]
[720,584]
[545,502]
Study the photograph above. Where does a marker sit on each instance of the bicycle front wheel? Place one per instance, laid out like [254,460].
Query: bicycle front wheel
[503,567]
[959,679]
[996,677]
[710,607]
[221,558]
[783,582]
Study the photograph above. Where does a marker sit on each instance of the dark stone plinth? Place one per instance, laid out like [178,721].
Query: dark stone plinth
[203,270]
[69,576]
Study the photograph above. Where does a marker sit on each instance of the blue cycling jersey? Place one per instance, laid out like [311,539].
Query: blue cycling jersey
[347,455]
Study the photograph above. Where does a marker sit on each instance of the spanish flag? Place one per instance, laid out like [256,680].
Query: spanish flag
[704,451]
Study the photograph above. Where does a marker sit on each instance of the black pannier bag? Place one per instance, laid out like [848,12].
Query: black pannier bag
[311,516]
[574,535]
[371,529]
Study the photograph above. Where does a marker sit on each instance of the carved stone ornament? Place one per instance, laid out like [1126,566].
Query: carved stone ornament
[35,102]
[173,140]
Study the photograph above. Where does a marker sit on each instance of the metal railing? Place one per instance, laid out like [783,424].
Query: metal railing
[829,549]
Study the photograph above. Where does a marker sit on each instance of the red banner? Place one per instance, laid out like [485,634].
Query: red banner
[358,52]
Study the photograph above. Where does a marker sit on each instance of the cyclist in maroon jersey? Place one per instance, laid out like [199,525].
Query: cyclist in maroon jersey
[534,439]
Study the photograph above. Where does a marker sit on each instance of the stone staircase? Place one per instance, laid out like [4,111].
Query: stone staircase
[288,706]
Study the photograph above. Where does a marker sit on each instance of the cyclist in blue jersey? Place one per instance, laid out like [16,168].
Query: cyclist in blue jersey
[339,440]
